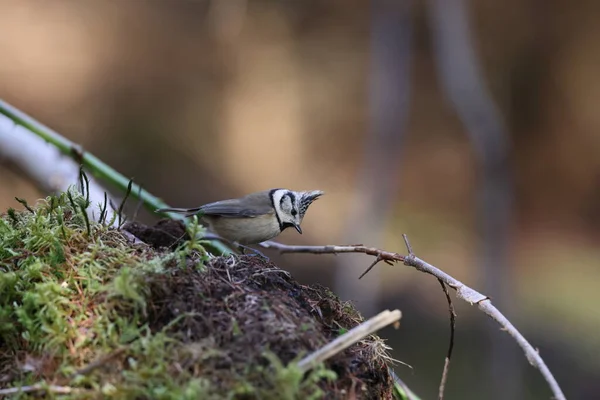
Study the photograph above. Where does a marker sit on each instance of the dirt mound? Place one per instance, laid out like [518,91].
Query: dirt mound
[83,307]
[243,307]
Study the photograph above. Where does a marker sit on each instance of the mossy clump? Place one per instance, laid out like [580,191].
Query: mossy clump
[85,307]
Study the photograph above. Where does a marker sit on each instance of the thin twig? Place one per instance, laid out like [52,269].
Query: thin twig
[463,292]
[103,213]
[451,344]
[334,249]
[38,387]
[354,335]
[84,181]
[373,264]
[407,244]
[120,211]
[24,203]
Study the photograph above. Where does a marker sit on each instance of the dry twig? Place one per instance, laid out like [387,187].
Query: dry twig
[354,335]
[463,292]
[38,387]
[99,362]
[451,344]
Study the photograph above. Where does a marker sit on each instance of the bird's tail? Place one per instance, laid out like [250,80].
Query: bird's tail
[187,211]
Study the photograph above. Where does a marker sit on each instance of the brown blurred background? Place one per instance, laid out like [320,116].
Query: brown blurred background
[482,148]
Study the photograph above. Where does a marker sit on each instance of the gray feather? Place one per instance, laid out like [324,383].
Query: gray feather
[250,206]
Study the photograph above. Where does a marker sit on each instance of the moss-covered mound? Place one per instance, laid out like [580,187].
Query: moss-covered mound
[85,308]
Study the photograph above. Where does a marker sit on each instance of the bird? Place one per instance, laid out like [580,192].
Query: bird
[256,217]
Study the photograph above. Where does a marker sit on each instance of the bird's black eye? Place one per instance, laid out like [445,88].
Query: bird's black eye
[294,213]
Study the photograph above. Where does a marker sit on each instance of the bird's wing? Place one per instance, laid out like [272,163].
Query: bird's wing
[234,209]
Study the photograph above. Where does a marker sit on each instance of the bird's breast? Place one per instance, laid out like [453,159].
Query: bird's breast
[246,230]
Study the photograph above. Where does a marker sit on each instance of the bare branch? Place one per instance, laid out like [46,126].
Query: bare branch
[354,335]
[333,249]
[451,344]
[463,292]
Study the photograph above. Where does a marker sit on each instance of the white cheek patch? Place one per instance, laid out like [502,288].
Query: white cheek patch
[277,196]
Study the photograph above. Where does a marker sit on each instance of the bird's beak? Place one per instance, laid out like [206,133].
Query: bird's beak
[298,228]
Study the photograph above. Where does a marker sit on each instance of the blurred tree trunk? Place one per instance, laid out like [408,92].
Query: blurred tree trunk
[464,84]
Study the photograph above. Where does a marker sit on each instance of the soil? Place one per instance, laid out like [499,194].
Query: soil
[166,233]
[240,307]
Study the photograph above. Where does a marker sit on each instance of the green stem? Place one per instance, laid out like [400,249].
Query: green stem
[401,391]
[93,164]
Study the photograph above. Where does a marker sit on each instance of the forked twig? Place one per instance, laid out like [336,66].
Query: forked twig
[354,335]
[463,292]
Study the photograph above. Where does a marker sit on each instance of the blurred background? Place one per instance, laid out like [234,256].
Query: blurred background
[471,126]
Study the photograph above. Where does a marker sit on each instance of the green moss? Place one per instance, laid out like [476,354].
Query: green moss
[73,292]
[63,292]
